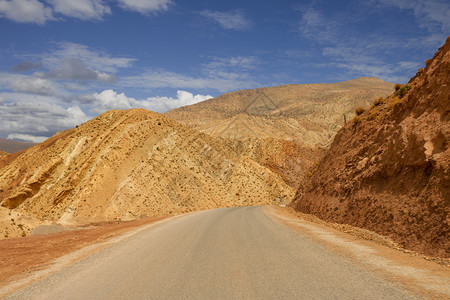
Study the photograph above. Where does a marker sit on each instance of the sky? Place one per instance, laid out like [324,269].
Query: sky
[63,62]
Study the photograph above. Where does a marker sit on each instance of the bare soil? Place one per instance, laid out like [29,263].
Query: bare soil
[20,255]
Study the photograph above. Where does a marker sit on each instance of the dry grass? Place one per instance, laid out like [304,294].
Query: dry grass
[378,101]
[393,103]
[360,110]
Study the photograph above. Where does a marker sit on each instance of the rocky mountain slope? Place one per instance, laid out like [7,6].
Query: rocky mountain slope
[308,113]
[124,165]
[284,128]
[389,169]
[10,146]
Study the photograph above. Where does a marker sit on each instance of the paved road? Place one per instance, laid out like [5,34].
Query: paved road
[229,253]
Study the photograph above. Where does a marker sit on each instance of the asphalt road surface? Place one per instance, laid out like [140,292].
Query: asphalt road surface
[228,253]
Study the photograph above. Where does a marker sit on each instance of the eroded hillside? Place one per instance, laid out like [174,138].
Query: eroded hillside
[388,170]
[127,164]
[307,113]
[284,128]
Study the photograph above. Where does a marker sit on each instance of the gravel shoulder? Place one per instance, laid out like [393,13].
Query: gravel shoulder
[425,276]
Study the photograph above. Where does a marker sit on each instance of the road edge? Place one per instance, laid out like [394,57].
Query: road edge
[414,273]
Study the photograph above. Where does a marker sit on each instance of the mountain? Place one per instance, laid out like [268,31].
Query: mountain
[284,128]
[389,169]
[124,165]
[309,114]
[10,146]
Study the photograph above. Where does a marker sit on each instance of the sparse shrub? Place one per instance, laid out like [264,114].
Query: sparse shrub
[378,101]
[394,102]
[357,120]
[359,110]
[397,86]
[403,90]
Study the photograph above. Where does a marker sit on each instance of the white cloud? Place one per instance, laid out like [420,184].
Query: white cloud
[71,61]
[429,13]
[81,9]
[218,80]
[25,11]
[32,85]
[76,116]
[28,84]
[94,59]
[145,6]
[315,25]
[34,11]
[236,62]
[27,66]
[228,20]
[374,53]
[409,65]
[163,104]
[27,137]
[110,99]
[75,69]
[36,116]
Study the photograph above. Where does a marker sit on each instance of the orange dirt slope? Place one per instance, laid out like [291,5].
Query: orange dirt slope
[389,169]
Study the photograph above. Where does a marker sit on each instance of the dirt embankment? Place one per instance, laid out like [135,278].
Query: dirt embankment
[388,170]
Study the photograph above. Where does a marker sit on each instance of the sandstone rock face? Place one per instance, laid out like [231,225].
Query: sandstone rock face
[126,164]
[389,169]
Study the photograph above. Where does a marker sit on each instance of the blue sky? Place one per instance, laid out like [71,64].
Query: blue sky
[63,62]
